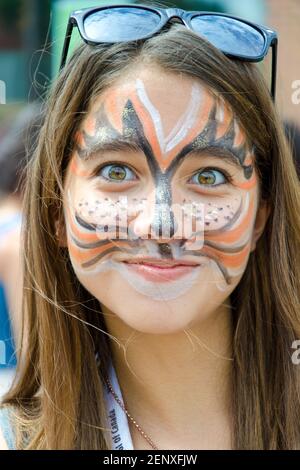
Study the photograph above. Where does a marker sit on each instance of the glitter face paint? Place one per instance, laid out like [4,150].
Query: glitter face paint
[128,126]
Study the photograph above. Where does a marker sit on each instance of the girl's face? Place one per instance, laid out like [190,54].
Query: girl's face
[161,197]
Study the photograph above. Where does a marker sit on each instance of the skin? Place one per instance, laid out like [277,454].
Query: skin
[182,149]
[3,444]
[10,265]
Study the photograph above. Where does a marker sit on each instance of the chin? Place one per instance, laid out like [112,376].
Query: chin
[153,325]
[155,307]
[156,317]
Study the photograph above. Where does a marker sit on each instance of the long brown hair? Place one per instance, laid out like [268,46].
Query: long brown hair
[58,391]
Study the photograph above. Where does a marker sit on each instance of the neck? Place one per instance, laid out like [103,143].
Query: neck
[177,385]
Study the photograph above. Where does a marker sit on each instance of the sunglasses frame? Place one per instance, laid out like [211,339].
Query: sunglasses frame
[78,17]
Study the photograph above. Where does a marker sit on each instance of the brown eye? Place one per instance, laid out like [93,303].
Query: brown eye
[117,173]
[209,177]
[206,178]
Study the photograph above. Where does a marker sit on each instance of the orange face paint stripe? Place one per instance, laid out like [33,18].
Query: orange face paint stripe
[223,126]
[74,168]
[83,256]
[112,102]
[193,133]
[79,139]
[88,237]
[248,184]
[228,260]
[239,138]
[233,235]
[86,255]
[90,125]
[249,160]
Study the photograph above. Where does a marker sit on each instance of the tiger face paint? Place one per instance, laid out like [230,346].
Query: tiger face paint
[150,144]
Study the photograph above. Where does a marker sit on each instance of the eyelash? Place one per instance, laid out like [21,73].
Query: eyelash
[224,173]
[117,164]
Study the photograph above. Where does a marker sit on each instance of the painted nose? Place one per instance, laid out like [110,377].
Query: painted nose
[163,223]
[156,223]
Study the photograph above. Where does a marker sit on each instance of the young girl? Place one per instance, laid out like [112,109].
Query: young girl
[141,331]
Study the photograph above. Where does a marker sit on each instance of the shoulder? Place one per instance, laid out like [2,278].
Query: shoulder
[7,435]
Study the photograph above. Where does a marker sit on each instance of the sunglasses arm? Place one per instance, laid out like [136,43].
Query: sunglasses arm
[274,68]
[66,43]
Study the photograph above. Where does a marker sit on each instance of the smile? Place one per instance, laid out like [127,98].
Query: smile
[159,270]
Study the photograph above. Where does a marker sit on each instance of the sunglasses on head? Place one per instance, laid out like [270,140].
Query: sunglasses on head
[236,38]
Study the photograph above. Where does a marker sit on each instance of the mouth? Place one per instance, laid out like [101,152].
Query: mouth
[158,270]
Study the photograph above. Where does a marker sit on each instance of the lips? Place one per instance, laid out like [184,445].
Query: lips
[157,270]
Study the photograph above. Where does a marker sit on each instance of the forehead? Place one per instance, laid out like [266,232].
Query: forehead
[165,114]
[161,98]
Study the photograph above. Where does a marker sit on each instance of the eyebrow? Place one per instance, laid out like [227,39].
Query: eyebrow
[117,144]
[218,152]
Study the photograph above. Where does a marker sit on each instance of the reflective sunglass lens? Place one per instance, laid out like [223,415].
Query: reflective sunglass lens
[120,24]
[229,35]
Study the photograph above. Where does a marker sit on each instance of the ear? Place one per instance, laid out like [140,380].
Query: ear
[61,234]
[262,215]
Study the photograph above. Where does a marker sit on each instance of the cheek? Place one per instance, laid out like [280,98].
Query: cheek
[82,214]
[231,242]
[219,215]
[215,214]
[96,229]
[227,233]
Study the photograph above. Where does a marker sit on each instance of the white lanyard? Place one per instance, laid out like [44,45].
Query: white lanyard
[117,418]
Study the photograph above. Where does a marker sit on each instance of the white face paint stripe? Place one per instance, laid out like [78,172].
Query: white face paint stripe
[243,212]
[157,291]
[183,125]
[187,121]
[154,113]
[220,113]
[237,129]
[70,206]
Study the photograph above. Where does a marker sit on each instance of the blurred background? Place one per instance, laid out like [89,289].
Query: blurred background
[31,39]
[32,32]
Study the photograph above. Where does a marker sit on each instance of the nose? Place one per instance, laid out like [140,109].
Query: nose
[163,223]
[156,219]
[157,223]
